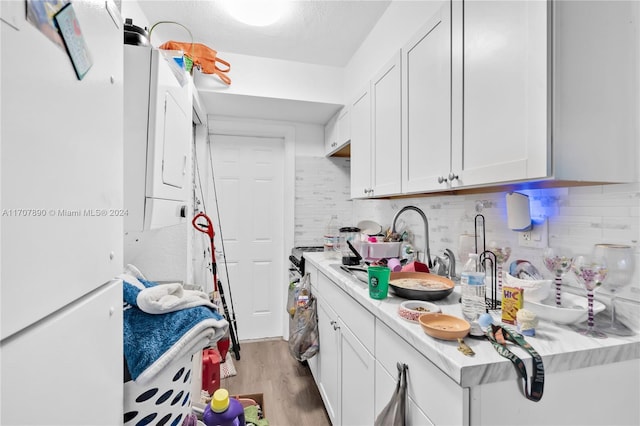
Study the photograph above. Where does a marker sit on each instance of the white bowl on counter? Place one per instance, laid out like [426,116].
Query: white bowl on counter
[411,310]
[574,308]
[534,290]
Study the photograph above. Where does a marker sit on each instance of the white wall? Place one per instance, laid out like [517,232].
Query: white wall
[399,23]
[276,78]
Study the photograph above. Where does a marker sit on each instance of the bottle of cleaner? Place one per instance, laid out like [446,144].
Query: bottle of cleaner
[223,411]
[473,293]
[331,237]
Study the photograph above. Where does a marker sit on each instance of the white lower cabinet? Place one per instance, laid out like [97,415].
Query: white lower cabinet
[328,358]
[436,395]
[345,364]
[385,387]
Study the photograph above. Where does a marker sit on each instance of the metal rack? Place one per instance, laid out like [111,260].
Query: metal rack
[487,261]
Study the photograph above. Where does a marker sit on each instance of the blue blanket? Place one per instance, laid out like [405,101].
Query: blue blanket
[153,341]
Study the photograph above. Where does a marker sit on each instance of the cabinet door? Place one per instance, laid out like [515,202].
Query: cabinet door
[426,91]
[328,358]
[361,145]
[437,395]
[386,129]
[78,350]
[344,126]
[357,367]
[501,79]
[330,135]
[385,387]
[170,132]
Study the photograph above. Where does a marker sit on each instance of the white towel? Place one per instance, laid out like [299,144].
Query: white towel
[165,298]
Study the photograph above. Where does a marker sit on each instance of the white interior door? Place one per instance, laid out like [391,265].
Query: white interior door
[249,179]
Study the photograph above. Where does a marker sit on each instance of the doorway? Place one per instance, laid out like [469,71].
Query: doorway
[253,168]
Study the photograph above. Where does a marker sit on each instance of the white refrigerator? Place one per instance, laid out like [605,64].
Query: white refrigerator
[61,227]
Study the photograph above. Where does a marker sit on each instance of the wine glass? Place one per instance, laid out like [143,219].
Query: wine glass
[502,252]
[620,264]
[590,272]
[558,262]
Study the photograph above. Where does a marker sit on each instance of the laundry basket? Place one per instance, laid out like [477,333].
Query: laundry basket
[166,400]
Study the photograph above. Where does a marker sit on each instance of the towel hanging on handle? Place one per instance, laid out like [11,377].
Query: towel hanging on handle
[203,57]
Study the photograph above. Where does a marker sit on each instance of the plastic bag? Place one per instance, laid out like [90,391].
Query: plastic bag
[303,327]
[292,296]
[394,413]
[202,57]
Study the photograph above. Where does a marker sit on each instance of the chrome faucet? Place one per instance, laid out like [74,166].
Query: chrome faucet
[427,252]
[451,273]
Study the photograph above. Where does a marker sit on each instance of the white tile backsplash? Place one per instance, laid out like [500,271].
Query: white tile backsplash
[578,217]
[322,189]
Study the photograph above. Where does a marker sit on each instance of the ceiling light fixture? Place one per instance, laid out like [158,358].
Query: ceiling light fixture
[259,13]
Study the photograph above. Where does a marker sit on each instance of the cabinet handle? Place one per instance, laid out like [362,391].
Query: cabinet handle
[335,327]
[442,179]
[453,176]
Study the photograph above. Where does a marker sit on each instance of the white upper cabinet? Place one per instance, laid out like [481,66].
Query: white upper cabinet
[426,95]
[539,88]
[596,90]
[502,92]
[376,135]
[361,145]
[337,133]
[386,129]
[499,92]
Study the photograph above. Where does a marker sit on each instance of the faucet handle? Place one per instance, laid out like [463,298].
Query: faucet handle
[451,273]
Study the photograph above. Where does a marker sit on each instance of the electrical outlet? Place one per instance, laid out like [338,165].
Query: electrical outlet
[537,236]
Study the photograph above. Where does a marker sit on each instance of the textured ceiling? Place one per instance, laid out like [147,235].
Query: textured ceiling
[314,31]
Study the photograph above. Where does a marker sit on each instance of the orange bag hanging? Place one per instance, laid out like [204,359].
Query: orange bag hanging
[203,57]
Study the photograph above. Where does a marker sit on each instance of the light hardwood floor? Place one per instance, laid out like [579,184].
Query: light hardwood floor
[290,394]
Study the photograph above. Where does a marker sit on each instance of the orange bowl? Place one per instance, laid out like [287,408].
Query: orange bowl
[444,327]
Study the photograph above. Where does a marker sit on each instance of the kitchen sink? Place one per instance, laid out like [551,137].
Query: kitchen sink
[356,273]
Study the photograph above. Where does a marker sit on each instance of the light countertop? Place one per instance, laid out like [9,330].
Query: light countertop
[561,348]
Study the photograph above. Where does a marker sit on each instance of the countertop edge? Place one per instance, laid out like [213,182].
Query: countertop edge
[561,348]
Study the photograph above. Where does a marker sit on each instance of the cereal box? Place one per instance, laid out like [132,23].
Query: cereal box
[512,301]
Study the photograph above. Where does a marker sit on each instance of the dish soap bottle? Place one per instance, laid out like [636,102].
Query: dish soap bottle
[473,293]
[223,411]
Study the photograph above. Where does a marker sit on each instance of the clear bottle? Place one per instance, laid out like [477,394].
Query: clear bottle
[331,236]
[473,293]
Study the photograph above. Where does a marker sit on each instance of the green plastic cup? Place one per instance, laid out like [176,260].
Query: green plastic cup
[378,282]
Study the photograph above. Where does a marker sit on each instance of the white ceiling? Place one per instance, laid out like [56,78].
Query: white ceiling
[322,32]
[325,32]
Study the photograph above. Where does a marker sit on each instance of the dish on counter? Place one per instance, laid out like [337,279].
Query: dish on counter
[524,270]
[444,327]
[411,310]
[574,308]
[420,285]
[369,227]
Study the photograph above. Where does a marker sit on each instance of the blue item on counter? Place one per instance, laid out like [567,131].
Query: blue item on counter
[485,320]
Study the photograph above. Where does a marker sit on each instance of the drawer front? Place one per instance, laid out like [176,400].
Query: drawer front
[360,321]
[439,397]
